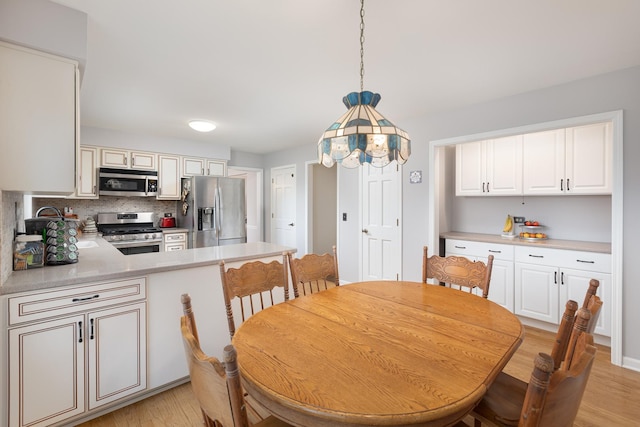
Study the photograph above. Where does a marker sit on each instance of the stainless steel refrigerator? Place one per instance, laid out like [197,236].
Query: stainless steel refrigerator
[213,210]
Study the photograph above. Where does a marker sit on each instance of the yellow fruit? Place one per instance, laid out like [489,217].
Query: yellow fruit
[525,235]
[539,235]
[508,224]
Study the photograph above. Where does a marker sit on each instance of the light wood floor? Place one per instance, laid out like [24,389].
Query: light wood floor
[612,397]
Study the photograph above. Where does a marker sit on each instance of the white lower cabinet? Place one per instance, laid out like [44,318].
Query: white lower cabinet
[174,241]
[545,279]
[501,285]
[74,350]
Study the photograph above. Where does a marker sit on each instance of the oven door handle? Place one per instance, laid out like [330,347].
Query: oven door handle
[136,243]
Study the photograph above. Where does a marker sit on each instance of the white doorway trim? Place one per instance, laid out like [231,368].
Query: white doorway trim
[436,166]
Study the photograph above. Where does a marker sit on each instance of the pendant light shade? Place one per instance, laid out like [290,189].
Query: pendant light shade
[363,135]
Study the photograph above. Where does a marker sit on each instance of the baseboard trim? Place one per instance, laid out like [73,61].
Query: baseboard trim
[631,363]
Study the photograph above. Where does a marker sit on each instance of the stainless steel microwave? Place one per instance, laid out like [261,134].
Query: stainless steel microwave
[127,182]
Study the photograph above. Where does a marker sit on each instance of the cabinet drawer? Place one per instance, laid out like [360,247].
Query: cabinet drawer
[52,303]
[591,261]
[479,249]
[175,247]
[175,237]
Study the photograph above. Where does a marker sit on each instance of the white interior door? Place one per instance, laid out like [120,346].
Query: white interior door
[381,230]
[254,202]
[283,206]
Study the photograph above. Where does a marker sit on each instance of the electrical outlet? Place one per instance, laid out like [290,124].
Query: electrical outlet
[518,219]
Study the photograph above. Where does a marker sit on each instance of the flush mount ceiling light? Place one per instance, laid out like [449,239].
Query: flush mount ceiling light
[362,135]
[202,125]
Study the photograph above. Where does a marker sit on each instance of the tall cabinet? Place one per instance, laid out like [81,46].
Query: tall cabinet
[38,121]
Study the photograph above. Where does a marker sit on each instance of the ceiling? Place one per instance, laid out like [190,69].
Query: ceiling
[272,74]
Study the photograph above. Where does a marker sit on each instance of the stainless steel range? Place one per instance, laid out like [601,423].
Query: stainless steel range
[131,232]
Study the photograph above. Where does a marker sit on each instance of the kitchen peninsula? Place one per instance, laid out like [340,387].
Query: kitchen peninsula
[104,332]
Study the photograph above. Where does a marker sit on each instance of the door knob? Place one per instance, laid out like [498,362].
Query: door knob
[364,230]
[291,225]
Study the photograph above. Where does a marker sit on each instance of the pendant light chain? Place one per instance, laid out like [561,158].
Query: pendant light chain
[361,45]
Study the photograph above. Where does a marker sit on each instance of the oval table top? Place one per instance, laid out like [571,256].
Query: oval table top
[376,353]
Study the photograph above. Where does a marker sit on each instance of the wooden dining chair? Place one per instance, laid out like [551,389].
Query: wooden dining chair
[506,399]
[217,385]
[313,273]
[208,374]
[457,271]
[252,287]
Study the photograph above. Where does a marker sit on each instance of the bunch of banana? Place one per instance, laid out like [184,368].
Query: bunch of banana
[508,225]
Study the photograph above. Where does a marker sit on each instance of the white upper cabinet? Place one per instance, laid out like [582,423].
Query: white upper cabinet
[114,158]
[192,166]
[87,185]
[200,166]
[168,177]
[576,160]
[544,162]
[588,161]
[38,121]
[489,168]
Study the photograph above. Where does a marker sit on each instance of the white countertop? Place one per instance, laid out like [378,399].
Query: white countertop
[574,245]
[104,262]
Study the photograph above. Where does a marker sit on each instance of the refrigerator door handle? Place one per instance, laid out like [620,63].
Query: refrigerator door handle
[217,213]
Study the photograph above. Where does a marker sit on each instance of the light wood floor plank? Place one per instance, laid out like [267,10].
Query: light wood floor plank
[612,397]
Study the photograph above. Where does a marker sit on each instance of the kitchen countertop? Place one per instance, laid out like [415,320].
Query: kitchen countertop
[170,230]
[574,245]
[98,260]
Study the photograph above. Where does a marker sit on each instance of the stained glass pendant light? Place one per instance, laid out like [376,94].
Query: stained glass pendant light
[363,135]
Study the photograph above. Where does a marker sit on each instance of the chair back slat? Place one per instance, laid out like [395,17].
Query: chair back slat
[579,329]
[564,333]
[313,273]
[595,307]
[458,271]
[187,311]
[591,291]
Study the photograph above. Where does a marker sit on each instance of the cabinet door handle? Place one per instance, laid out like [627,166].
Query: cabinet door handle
[85,298]
[483,187]
[585,261]
[487,186]
[561,185]
[555,278]
[562,278]
[94,190]
[536,256]
[91,329]
[460,247]
[568,185]
[80,331]
[495,252]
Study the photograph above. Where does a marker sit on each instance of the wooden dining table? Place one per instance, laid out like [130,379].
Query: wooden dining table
[380,353]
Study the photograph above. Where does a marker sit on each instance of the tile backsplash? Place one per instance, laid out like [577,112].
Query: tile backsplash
[11,208]
[90,208]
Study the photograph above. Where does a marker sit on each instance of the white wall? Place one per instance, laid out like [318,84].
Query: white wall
[133,141]
[47,26]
